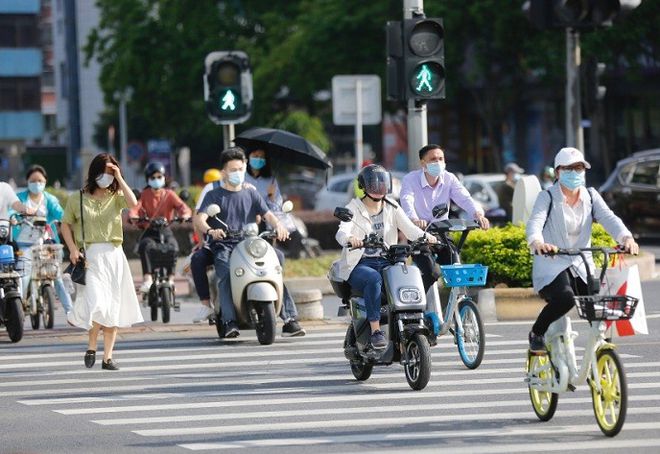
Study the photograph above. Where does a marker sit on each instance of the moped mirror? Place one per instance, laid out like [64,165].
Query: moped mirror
[343,214]
[287,206]
[440,210]
[213,210]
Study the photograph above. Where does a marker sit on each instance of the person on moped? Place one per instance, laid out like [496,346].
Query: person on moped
[156,201]
[427,187]
[43,204]
[373,213]
[562,217]
[239,206]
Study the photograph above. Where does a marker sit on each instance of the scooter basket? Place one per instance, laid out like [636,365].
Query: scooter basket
[606,307]
[472,275]
[163,256]
[46,261]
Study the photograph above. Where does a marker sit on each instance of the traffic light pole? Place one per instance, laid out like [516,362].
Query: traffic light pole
[574,133]
[228,135]
[417,124]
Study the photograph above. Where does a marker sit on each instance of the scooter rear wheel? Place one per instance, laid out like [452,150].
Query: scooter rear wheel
[14,318]
[361,371]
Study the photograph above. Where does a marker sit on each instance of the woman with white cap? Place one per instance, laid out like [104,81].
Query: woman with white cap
[561,218]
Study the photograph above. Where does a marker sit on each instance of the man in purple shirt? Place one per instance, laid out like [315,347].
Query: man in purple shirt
[427,187]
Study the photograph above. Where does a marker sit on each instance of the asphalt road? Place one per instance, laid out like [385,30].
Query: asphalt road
[182,389]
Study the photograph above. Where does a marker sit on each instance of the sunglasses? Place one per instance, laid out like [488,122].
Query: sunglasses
[576,167]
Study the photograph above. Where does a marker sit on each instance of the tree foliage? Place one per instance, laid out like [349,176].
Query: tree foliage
[492,52]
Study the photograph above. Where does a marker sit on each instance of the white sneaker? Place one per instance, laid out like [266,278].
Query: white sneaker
[203,314]
[146,285]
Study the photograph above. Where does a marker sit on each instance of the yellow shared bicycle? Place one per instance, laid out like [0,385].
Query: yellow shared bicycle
[557,371]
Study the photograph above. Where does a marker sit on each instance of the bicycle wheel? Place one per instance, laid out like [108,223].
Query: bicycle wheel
[166,303]
[611,403]
[472,343]
[544,403]
[48,304]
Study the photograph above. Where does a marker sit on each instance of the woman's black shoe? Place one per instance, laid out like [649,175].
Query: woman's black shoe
[90,358]
[109,365]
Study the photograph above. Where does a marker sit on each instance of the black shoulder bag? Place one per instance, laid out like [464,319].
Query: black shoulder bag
[78,270]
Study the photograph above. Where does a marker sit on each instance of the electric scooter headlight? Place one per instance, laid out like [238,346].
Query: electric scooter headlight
[257,248]
[409,295]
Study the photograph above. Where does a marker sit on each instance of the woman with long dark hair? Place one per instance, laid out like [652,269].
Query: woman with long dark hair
[108,300]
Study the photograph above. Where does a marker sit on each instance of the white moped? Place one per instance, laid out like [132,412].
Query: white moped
[256,278]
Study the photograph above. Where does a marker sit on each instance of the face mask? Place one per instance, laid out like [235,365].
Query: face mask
[236,178]
[516,177]
[572,179]
[257,163]
[104,180]
[156,183]
[36,187]
[435,169]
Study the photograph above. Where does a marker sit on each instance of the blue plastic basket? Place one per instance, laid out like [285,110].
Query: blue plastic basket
[473,275]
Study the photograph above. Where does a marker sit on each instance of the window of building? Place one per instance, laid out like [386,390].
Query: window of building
[19,30]
[20,93]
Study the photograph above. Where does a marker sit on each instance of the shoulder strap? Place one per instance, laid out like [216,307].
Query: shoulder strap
[547,216]
[82,219]
[591,199]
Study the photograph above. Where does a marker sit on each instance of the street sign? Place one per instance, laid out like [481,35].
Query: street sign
[345,99]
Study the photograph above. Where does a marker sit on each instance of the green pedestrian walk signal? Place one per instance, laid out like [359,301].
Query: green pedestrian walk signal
[228,87]
[423,58]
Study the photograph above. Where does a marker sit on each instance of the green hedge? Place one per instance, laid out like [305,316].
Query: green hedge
[504,250]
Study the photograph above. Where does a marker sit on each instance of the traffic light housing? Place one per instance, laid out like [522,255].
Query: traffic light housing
[228,87]
[423,58]
[594,91]
[394,76]
[578,14]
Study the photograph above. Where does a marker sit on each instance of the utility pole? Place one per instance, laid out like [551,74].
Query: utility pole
[417,124]
[574,133]
[123,97]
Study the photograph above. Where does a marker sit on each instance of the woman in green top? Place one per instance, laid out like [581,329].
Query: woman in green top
[108,300]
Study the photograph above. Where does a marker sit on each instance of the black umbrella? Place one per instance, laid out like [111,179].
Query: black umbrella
[284,146]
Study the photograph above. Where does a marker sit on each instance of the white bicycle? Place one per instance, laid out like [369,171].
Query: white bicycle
[557,371]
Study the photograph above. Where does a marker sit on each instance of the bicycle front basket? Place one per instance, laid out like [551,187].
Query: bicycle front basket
[606,307]
[472,275]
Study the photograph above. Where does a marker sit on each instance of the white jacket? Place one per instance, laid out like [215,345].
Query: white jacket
[394,219]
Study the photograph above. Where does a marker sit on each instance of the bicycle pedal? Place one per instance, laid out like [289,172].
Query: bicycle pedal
[538,353]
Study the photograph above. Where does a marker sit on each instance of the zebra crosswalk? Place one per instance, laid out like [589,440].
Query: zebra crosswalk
[298,395]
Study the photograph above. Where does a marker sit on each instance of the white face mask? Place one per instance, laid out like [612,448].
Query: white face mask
[104,180]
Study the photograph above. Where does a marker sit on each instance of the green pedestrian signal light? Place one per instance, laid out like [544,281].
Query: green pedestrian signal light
[228,101]
[422,57]
[228,87]
[427,79]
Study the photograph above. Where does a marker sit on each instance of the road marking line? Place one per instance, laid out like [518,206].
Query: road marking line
[325,424]
[413,407]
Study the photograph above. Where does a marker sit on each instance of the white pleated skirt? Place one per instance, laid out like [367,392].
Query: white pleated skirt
[109,297]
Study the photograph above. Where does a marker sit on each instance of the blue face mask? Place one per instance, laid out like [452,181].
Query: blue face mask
[236,178]
[257,163]
[156,183]
[572,179]
[435,169]
[36,187]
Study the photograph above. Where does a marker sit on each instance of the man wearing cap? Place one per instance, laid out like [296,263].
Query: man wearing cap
[513,173]
[561,218]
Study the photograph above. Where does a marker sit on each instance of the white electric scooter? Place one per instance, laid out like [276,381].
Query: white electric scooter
[256,278]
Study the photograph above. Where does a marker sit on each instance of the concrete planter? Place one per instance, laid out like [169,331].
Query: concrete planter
[308,303]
